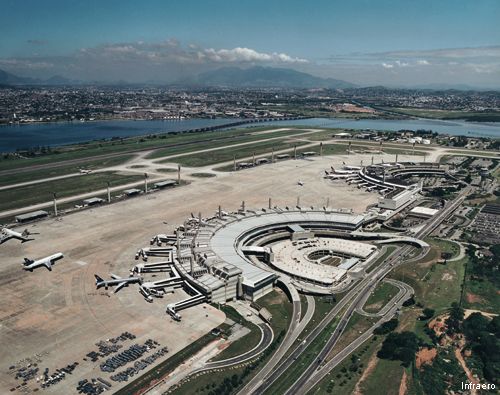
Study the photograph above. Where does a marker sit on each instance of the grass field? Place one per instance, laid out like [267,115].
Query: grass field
[227,154]
[203,175]
[445,246]
[59,171]
[383,293]
[436,285]
[480,293]
[448,114]
[384,379]
[39,193]
[243,344]
[224,138]
[192,142]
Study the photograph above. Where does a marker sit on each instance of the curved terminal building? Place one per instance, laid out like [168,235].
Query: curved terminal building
[242,254]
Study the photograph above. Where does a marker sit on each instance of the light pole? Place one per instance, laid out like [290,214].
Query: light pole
[55,203]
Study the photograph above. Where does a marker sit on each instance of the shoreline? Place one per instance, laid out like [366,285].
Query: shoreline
[225,123]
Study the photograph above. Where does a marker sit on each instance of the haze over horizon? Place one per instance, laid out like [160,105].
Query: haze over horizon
[391,43]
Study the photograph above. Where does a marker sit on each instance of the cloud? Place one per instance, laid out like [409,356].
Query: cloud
[401,64]
[467,52]
[26,64]
[172,51]
[240,54]
[166,60]
[36,42]
[396,63]
[423,57]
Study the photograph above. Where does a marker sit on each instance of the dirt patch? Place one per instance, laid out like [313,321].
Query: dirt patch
[374,307]
[468,312]
[461,360]
[447,277]
[438,324]
[372,363]
[403,386]
[472,298]
[425,356]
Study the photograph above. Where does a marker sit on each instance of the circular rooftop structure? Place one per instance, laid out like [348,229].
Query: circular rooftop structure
[243,242]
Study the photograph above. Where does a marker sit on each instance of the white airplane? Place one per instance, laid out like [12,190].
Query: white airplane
[300,183]
[6,234]
[120,282]
[30,264]
[85,171]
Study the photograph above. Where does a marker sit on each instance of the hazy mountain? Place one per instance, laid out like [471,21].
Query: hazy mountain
[445,87]
[60,80]
[7,78]
[264,77]
[12,79]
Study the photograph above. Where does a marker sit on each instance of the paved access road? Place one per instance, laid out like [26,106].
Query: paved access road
[394,259]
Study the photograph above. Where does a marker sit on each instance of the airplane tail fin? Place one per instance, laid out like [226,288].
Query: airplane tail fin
[98,281]
[26,232]
[28,261]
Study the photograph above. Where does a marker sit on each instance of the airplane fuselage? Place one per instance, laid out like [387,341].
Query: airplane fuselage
[47,262]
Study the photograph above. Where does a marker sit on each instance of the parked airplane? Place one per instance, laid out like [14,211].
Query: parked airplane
[6,234]
[30,264]
[300,183]
[120,282]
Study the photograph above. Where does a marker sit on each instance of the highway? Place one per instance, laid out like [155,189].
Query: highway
[296,327]
[393,307]
[357,294]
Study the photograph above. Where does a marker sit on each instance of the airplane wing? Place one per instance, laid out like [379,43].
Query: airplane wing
[48,265]
[115,277]
[4,238]
[120,286]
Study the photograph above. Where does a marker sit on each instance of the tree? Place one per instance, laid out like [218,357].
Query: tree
[386,327]
[454,321]
[495,249]
[427,313]
[494,326]
[400,346]
[474,325]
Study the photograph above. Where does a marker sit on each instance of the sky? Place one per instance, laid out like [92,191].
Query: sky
[384,42]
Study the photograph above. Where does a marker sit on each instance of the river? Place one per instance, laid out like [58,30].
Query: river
[14,137]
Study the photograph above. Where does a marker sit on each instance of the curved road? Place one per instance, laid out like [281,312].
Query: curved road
[356,294]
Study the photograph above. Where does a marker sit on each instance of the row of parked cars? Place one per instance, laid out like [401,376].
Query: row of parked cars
[139,365]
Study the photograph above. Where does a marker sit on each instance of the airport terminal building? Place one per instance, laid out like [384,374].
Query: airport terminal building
[216,255]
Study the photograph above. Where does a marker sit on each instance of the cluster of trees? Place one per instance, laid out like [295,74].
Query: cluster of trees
[386,327]
[427,314]
[481,269]
[483,339]
[400,347]
[454,321]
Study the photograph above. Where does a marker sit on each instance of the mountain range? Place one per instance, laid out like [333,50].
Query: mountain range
[235,77]
[260,77]
[7,78]
[257,77]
